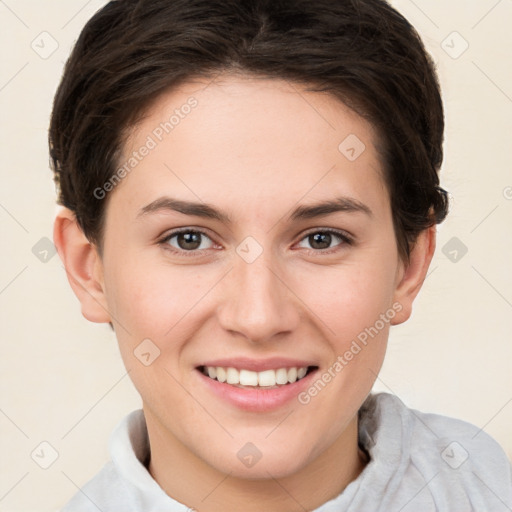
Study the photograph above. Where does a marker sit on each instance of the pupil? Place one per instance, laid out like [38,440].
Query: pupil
[320,240]
[189,240]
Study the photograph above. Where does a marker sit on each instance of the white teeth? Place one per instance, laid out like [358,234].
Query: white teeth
[248,378]
[266,378]
[282,376]
[221,373]
[232,376]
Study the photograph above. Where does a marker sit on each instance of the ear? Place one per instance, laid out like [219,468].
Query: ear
[412,273]
[83,266]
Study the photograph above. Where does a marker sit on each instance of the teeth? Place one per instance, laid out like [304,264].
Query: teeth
[282,376]
[266,378]
[247,378]
[221,373]
[301,372]
[232,376]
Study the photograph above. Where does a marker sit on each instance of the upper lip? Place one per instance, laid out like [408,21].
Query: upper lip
[245,363]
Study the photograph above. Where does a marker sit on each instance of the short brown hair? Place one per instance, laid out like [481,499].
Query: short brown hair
[361,51]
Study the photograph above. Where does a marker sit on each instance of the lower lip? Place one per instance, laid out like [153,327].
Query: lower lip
[257,400]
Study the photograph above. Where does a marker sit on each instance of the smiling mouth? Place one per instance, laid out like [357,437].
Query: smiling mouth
[267,379]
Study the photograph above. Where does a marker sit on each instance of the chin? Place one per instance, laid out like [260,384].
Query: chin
[249,463]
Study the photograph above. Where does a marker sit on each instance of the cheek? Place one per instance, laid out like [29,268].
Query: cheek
[354,306]
[148,299]
[349,298]
[160,304]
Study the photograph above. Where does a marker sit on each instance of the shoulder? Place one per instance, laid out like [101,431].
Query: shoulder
[124,483]
[438,430]
[455,459]
[102,492]
[458,443]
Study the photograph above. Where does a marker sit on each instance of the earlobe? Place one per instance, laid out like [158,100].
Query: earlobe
[413,273]
[83,266]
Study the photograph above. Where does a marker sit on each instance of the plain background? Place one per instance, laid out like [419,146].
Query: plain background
[63,382]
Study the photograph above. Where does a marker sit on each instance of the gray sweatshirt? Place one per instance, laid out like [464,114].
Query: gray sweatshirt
[418,463]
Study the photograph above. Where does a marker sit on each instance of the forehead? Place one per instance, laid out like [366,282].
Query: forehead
[238,138]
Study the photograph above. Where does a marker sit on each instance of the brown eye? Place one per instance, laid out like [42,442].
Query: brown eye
[189,241]
[320,240]
[324,239]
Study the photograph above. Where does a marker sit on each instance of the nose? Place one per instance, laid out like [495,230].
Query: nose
[259,304]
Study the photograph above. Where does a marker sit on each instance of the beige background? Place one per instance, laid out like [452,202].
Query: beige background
[62,379]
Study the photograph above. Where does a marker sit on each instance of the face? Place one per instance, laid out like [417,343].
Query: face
[254,233]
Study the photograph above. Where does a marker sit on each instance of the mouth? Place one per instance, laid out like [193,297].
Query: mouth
[255,385]
[250,379]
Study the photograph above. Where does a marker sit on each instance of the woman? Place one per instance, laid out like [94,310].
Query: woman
[250,191]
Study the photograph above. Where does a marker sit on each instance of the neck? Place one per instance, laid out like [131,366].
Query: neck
[196,484]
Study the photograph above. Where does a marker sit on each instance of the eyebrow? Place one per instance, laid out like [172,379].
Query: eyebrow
[206,211]
[340,204]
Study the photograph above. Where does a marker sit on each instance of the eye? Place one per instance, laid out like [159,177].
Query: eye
[322,240]
[188,240]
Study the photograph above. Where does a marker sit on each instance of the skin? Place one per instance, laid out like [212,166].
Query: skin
[254,149]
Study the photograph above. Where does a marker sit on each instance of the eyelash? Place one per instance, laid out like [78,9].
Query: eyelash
[345,238]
